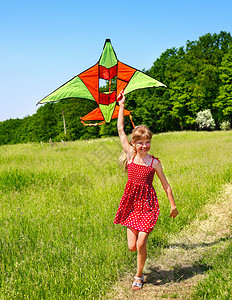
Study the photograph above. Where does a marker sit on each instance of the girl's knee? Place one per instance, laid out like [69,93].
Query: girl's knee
[132,235]
[132,248]
[142,241]
[141,244]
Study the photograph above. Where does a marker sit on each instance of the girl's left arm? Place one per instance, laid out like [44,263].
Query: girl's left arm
[167,188]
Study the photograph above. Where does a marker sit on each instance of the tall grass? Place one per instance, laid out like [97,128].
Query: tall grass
[218,283]
[58,203]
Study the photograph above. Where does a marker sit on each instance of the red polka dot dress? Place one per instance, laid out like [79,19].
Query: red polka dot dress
[139,207]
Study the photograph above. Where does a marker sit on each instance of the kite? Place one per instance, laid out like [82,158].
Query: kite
[116,75]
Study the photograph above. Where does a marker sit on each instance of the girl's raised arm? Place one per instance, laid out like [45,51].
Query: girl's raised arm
[123,138]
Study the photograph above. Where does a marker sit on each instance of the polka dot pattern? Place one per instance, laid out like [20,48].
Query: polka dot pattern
[139,207]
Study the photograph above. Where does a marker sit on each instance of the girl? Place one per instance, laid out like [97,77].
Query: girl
[139,208]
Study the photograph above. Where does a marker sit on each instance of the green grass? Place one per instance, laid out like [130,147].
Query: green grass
[58,204]
[218,283]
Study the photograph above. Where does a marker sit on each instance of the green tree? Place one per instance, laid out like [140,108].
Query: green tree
[223,105]
[196,84]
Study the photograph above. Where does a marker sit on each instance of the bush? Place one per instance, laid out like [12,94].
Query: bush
[225,125]
[205,120]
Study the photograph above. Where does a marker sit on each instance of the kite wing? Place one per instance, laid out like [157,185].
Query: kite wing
[117,75]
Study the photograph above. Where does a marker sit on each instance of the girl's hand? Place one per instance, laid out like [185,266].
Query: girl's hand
[174,213]
[121,98]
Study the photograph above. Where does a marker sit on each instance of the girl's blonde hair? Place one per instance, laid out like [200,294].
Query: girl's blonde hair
[141,132]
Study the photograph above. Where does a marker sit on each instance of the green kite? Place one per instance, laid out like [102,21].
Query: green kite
[117,75]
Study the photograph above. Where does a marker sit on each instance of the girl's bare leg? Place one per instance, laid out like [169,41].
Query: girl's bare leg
[137,240]
[142,252]
[132,236]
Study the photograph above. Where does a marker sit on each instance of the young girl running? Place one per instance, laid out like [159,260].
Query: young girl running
[139,208]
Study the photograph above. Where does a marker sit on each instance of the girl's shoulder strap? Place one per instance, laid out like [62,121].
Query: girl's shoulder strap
[153,157]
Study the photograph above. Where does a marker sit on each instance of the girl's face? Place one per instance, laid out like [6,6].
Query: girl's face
[142,146]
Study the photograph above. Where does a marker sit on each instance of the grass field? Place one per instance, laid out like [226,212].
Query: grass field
[218,283]
[58,203]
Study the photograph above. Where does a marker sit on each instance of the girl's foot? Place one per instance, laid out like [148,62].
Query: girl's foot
[138,283]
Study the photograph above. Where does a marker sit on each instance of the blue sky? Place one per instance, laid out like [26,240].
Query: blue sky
[43,44]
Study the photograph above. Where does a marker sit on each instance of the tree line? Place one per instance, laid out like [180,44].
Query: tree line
[198,77]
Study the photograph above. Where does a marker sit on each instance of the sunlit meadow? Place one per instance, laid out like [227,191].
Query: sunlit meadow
[58,204]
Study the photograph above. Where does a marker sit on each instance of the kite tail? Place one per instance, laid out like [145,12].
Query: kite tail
[130,116]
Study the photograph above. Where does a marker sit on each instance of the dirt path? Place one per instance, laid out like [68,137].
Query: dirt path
[178,269]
